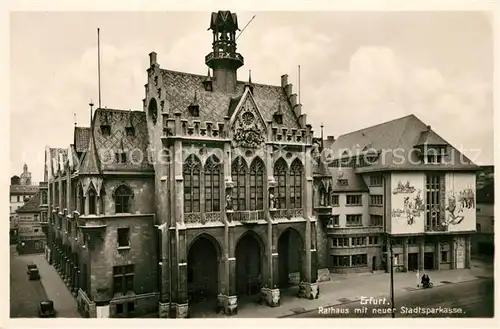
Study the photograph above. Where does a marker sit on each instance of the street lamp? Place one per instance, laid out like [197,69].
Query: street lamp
[392,278]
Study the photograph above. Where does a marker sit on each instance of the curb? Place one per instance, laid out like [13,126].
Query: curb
[358,299]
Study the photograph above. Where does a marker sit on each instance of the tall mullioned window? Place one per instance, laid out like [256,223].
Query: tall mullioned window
[192,172]
[239,176]
[212,184]
[280,169]
[257,185]
[433,207]
[296,176]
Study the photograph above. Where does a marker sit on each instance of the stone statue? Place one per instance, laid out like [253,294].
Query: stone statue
[229,200]
[272,200]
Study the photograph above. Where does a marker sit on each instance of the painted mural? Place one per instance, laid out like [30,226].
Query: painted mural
[460,201]
[407,203]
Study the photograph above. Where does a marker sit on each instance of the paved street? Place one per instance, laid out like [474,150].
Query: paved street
[25,295]
[51,285]
[343,289]
[469,299]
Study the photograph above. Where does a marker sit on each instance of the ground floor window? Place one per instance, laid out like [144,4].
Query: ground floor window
[341,261]
[349,260]
[124,309]
[359,260]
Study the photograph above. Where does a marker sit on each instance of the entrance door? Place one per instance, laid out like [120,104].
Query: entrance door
[290,249]
[248,265]
[412,261]
[374,263]
[429,261]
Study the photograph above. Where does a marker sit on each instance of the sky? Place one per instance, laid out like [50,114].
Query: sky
[357,69]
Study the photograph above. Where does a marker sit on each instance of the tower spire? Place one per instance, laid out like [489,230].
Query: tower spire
[224,60]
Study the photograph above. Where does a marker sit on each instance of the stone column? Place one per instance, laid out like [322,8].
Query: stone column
[60,182]
[405,253]
[270,293]
[227,300]
[421,253]
[468,252]
[437,254]
[309,287]
[453,253]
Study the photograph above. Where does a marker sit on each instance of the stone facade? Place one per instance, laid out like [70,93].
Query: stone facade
[217,181]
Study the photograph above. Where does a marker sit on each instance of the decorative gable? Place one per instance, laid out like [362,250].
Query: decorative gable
[247,123]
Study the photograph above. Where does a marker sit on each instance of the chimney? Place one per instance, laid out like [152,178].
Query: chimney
[284,80]
[152,59]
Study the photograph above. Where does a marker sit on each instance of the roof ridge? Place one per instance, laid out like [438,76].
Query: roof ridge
[204,76]
[402,135]
[377,125]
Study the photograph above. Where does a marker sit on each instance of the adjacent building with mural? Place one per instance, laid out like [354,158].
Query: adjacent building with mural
[412,189]
[21,190]
[203,197]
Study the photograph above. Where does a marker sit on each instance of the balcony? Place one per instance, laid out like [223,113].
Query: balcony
[202,218]
[246,216]
[286,213]
[215,57]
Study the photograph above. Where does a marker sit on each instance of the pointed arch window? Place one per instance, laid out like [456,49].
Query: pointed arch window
[92,195]
[280,169]
[81,208]
[192,173]
[212,184]
[239,176]
[296,176]
[257,185]
[123,197]
[44,197]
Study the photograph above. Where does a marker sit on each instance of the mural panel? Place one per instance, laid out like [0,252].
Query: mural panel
[461,201]
[408,210]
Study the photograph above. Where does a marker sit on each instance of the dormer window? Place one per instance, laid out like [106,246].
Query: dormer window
[278,115]
[343,182]
[121,157]
[130,131]
[433,155]
[194,108]
[208,82]
[105,130]
[278,118]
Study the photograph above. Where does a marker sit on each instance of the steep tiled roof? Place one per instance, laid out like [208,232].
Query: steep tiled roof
[32,205]
[24,189]
[397,138]
[430,137]
[81,139]
[355,183]
[101,154]
[215,105]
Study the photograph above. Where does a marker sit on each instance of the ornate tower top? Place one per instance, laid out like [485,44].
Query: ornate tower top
[25,168]
[224,59]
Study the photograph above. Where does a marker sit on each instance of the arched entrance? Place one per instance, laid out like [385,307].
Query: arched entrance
[248,265]
[203,269]
[290,251]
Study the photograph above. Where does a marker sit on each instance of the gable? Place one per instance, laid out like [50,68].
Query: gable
[247,124]
[90,164]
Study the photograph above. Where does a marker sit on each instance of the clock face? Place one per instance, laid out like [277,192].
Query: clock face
[247,118]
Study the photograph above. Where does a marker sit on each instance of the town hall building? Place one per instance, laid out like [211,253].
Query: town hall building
[205,195]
